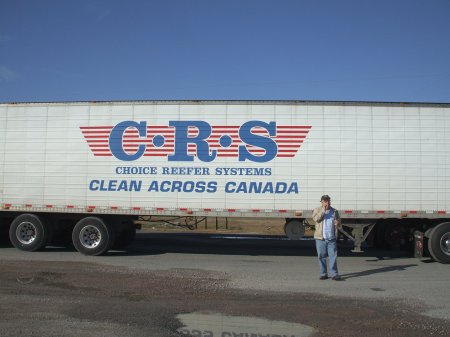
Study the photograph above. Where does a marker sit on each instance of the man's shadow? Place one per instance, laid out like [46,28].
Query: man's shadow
[377,271]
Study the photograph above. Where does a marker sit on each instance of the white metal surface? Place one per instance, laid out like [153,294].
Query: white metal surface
[373,159]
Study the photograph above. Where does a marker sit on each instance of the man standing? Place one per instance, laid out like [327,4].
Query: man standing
[327,221]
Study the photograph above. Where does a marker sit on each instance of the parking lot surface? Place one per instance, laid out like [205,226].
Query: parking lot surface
[220,285]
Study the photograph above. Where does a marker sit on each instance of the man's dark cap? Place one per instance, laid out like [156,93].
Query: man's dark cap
[325,197]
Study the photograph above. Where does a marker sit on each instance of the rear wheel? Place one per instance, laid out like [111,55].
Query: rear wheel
[294,229]
[91,236]
[28,232]
[439,242]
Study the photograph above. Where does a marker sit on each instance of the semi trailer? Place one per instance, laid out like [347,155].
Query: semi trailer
[87,170]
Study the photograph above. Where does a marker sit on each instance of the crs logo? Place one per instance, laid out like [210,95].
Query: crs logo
[255,140]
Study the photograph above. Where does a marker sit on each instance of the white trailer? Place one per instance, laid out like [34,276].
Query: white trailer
[89,168]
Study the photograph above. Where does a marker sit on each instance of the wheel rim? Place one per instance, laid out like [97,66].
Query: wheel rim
[26,232]
[90,236]
[445,243]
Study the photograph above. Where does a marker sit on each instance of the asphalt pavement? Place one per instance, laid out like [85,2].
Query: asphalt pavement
[220,285]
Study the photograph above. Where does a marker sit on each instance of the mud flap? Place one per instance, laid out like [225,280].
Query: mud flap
[419,239]
[421,245]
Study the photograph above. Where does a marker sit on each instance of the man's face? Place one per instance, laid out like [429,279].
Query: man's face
[326,204]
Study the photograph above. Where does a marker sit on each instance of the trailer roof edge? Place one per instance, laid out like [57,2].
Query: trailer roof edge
[280,102]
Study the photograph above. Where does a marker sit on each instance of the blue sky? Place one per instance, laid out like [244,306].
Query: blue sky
[64,50]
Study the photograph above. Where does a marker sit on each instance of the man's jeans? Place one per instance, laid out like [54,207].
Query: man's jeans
[327,248]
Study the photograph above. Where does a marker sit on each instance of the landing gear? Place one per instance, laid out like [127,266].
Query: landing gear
[359,234]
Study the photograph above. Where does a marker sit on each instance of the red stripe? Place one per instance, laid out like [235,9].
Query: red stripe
[95,127]
[96,136]
[98,133]
[294,127]
[90,141]
[288,137]
[278,141]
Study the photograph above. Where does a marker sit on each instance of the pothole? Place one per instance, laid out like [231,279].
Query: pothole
[205,324]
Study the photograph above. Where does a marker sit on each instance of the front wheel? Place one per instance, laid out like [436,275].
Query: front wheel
[91,236]
[28,232]
[439,242]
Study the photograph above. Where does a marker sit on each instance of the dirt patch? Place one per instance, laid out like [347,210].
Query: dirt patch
[45,297]
[262,226]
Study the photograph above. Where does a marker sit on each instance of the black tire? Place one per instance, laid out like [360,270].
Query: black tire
[125,237]
[91,236]
[294,229]
[439,243]
[4,233]
[29,233]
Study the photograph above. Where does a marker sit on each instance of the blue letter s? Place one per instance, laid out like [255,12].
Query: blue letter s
[268,144]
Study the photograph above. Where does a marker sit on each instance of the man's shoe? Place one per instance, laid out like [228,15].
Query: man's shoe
[336,278]
[323,277]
